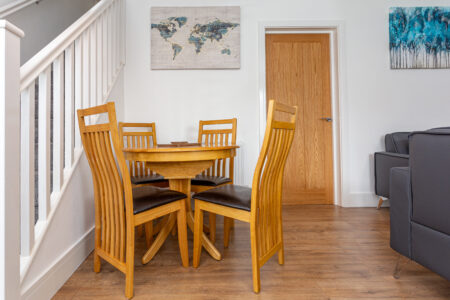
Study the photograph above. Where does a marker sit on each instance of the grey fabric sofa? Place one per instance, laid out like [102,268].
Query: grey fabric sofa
[420,202]
[396,155]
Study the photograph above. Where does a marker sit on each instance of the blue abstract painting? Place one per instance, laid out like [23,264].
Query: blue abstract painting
[419,37]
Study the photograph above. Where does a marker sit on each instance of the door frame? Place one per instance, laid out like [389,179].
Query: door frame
[336,31]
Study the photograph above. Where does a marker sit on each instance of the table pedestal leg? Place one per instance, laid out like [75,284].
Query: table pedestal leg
[184,186]
[162,236]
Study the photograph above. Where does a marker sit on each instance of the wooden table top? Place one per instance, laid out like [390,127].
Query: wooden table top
[179,149]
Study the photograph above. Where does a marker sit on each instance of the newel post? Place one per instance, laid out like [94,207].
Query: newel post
[9,160]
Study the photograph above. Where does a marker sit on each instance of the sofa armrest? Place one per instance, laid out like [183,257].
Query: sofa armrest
[384,161]
[400,210]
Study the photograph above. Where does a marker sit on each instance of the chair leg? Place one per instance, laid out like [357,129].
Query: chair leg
[174,230]
[212,227]
[139,231]
[182,235]
[129,274]
[380,202]
[97,263]
[227,225]
[255,262]
[281,254]
[198,226]
[281,251]
[149,233]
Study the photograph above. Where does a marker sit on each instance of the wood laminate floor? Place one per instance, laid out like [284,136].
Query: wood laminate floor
[330,252]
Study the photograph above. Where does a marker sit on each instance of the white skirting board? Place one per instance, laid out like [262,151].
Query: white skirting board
[362,200]
[54,277]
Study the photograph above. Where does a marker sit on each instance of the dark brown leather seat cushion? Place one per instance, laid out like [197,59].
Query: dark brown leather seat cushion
[231,195]
[148,197]
[209,180]
[147,179]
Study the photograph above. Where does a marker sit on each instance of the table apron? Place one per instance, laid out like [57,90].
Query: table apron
[182,156]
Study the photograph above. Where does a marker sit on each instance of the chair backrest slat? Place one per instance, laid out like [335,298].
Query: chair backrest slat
[268,177]
[140,140]
[218,137]
[112,192]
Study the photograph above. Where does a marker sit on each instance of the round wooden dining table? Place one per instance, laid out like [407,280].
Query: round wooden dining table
[179,165]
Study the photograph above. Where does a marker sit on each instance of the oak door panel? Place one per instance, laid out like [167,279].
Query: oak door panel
[298,73]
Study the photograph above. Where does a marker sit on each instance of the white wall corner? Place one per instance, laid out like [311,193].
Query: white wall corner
[54,277]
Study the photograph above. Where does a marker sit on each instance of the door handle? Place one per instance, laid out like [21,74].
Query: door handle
[327,119]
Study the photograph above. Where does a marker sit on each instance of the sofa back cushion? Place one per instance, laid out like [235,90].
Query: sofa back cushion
[430,179]
[397,142]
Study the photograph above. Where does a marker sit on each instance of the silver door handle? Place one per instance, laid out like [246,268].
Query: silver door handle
[327,119]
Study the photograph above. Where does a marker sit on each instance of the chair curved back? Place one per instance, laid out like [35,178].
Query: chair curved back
[218,137]
[140,140]
[111,192]
[268,178]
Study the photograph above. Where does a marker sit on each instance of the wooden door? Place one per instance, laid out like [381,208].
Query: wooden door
[298,73]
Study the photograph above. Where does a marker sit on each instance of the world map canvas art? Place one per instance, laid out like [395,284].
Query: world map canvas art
[195,37]
[419,37]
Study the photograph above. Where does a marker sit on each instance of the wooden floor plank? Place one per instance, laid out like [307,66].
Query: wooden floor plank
[330,253]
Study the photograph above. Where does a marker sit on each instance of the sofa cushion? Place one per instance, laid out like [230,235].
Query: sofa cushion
[397,142]
[384,162]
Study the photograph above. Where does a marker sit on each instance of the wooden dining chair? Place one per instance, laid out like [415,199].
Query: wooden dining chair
[119,207]
[260,205]
[143,136]
[216,133]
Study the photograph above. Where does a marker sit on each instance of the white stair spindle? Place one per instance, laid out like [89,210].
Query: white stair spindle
[99,69]
[86,70]
[44,145]
[110,48]
[114,38]
[58,123]
[69,93]
[27,143]
[124,31]
[93,63]
[104,19]
[78,86]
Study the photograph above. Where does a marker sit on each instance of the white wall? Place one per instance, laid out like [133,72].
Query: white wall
[376,100]
[4,2]
[70,237]
[44,21]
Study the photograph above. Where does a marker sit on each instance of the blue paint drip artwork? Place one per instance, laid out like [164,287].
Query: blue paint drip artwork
[419,37]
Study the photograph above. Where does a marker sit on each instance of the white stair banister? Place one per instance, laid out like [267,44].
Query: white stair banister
[76,70]
[9,160]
